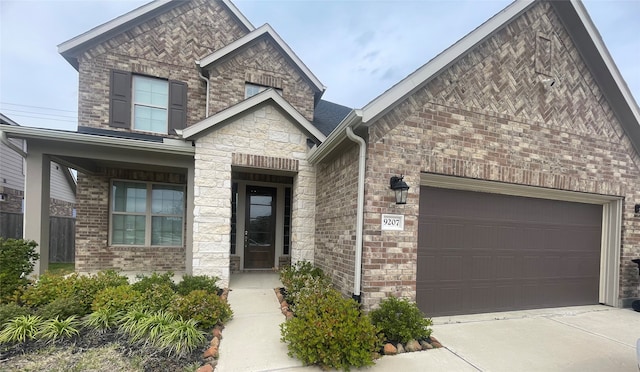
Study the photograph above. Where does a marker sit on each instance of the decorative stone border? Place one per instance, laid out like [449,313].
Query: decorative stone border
[210,356]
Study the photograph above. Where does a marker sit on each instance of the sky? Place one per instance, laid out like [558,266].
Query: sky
[356,48]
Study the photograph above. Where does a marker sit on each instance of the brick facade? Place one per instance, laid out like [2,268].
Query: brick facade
[166,47]
[337,188]
[260,63]
[93,253]
[13,202]
[488,116]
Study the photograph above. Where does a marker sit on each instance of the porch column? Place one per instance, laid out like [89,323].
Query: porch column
[190,210]
[36,205]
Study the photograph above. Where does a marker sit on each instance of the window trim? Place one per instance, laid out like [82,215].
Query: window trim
[261,88]
[148,214]
[134,103]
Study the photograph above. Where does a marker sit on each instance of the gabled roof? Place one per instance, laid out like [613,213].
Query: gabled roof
[270,95]
[264,30]
[70,48]
[6,120]
[583,33]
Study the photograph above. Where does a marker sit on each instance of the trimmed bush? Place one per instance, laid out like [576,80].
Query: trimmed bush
[400,320]
[17,258]
[206,308]
[121,298]
[330,331]
[62,308]
[299,276]
[157,297]
[46,289]
[191,283]
[11,311]
[146,283]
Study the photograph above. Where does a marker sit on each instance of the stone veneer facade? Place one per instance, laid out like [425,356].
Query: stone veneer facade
[489,117]
[262,136]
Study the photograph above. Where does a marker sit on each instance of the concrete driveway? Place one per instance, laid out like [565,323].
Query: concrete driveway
[586,338]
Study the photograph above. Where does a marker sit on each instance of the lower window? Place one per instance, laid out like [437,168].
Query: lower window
[147,214]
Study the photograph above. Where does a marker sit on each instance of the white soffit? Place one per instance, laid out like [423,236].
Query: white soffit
[193,131]
[265,29]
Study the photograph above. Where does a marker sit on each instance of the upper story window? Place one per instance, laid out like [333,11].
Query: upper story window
[150,104]
[251,90]
[146,103]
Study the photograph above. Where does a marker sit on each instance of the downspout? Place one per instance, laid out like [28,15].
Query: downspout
[5,140]
[207,82]
[357,280]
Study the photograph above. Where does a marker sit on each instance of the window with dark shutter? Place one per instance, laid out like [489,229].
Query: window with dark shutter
[177,105]
[120,99]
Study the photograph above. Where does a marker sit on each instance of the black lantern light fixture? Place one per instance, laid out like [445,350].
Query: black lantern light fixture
[400,188]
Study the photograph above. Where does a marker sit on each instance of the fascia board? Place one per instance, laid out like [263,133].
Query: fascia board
[110,25]
[265,29]
[95,140]
[353,119]
[236,12]
[131,16]
[619,87]
[237,109]
[387,100]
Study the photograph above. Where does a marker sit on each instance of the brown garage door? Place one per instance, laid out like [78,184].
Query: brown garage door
[480,252]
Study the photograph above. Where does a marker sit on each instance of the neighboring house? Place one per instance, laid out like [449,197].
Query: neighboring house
[204,146]
[61,204]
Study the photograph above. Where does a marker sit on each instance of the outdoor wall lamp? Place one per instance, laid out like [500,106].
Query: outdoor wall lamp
[400,188]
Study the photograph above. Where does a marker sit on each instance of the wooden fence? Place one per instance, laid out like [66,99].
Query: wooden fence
[62,231]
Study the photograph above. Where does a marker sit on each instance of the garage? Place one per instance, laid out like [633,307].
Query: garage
[483,252]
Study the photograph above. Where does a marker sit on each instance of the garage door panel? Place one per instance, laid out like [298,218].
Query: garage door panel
[501,252]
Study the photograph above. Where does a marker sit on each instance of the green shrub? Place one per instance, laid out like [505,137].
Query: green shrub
[103,320]
[145,283]
[157,297]
[56,329]
[10,311]
[62,307]
[46,289]
[82,288]
[205,308]
[20,329]
[302,274]
[191,283]
[329,330]
[181,337]
[17,258]
[121,298]
[400,320]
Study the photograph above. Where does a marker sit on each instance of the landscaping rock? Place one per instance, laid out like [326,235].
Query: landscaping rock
[205,368]
[435,343]
[289,315]
[425,345]
[211,352]
[389,349]
[217,333]
[400,348]
[215,342]
[412,346]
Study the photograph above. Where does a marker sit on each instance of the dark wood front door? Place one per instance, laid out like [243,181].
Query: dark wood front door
[259,234]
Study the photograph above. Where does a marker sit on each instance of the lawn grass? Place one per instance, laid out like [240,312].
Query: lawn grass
[61,268]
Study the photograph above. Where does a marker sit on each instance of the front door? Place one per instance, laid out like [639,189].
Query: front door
[260,228]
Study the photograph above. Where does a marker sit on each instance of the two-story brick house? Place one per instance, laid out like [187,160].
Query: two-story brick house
[204,146]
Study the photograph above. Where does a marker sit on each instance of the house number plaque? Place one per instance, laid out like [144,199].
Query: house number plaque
[394,222]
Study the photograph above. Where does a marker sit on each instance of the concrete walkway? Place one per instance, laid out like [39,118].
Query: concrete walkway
[587,338]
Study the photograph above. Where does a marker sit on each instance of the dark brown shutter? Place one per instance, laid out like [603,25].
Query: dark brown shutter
[177,105]
[120,99]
